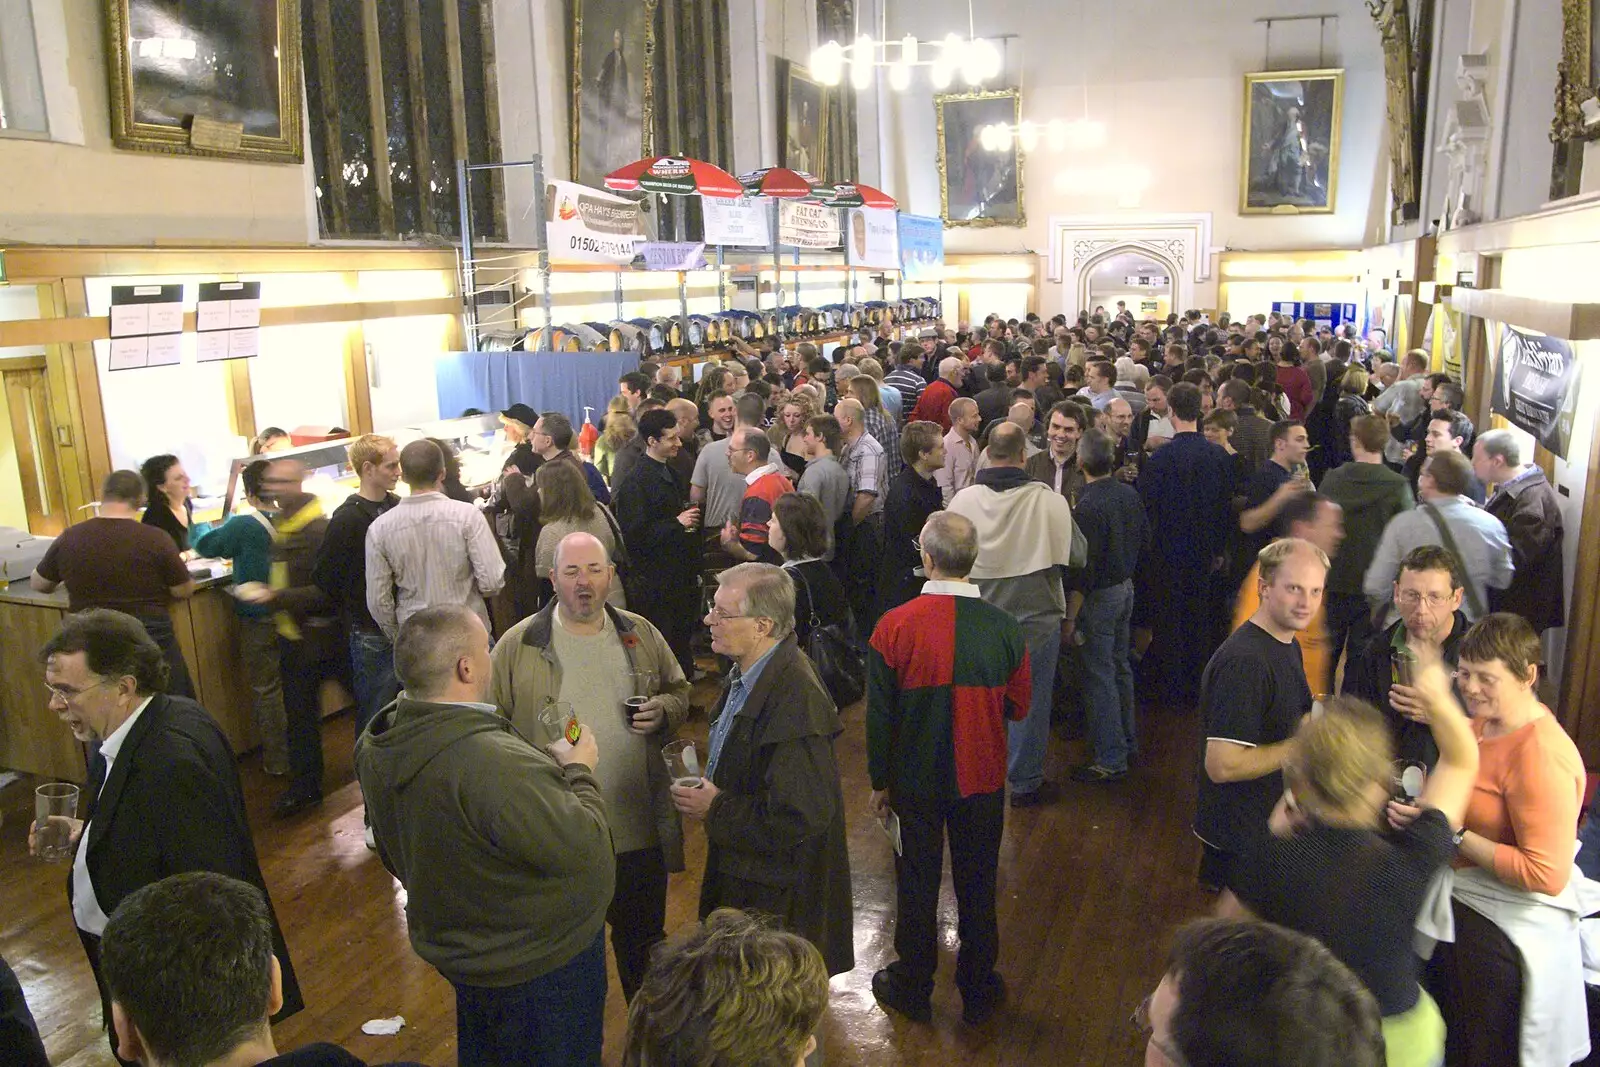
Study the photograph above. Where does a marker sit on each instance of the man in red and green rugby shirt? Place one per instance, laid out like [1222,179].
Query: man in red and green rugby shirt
[944,672]
[750,455]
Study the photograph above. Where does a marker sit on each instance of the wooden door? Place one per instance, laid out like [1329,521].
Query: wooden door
[33,438]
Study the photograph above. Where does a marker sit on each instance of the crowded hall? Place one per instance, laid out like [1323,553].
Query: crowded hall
[780,533]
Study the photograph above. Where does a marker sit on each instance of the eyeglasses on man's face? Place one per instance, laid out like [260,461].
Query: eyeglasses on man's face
[68,694]
[1410,598]
[1140,1019]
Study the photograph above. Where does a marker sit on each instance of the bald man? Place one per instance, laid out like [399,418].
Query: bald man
[961,448]
[583,651]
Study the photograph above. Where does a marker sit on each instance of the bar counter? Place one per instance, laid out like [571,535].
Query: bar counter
[33,739]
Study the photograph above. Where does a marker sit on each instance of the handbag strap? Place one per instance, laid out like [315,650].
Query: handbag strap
[1473,600]
[811,601]
[620,556]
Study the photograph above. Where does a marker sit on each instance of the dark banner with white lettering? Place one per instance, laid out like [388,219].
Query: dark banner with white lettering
[1536,386]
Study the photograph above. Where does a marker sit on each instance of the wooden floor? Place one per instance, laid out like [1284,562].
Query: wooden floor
[1090,891]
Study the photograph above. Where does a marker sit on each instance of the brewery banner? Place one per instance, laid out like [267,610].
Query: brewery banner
[587,225]
[737,223]
[1536,386]
[674,255]
[921,248]
[872,238]
[802,225]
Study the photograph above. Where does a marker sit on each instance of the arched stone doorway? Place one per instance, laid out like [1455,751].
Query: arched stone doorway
[1182,242]
[1140,260]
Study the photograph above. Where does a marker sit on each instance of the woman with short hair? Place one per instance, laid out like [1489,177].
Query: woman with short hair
[1334,867]
[1511,984]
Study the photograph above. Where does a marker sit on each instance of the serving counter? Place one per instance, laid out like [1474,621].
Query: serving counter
[33,739]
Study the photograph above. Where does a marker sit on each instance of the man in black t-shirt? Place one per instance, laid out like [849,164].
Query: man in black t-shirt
[1252,696]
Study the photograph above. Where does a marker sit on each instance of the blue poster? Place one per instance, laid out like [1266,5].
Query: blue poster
[921,248]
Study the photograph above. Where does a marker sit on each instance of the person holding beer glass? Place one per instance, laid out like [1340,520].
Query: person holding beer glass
[1342,868]
[583,661]
[1427,595]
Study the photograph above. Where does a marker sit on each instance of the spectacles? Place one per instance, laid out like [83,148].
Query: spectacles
[1411,598]
[916,543]
[1140,1020]
[718,615]
[67,696]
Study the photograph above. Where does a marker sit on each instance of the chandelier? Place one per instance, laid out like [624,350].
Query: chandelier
[973,58]
[1057,134]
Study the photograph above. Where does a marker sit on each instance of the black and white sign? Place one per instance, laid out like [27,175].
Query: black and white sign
[1536,386]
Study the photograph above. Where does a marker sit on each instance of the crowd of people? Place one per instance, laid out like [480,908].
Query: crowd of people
[983,534]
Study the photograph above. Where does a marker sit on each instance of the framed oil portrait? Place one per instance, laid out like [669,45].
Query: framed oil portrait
[206,77]
[613,85]
[1290,160]
[804,138]
[977,186]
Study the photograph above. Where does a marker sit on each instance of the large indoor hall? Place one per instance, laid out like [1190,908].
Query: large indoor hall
[784,533]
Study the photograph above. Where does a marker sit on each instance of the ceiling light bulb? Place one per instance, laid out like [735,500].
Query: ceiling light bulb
[1028,136]
[955,49]
[986,139]
[1003,138]
[939,74]
[900,76]
[863,58]
[827,63]
[908,50]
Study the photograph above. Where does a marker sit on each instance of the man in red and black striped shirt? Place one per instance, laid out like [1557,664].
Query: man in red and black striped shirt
[750,457]
[944,673]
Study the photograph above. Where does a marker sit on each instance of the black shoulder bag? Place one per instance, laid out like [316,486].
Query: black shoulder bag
[832,649]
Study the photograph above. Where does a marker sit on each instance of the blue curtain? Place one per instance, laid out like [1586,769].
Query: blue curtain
[546,381]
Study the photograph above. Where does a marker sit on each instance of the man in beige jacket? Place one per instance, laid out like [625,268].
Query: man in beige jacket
[580,651]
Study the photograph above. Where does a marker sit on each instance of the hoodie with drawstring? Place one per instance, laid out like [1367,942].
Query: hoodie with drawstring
[505,855]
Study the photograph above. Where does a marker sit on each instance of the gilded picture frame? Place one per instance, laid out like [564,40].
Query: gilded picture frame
[608,130]
[979,187]
[1576,77]
[234,65]
[803,129]
[1289,142]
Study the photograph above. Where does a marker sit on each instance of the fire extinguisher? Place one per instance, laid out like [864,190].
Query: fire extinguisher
[587,436]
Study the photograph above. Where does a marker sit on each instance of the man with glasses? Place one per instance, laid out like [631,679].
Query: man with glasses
[770,798]
[750,457]
[1251,994]
[163,793]
[1428,595]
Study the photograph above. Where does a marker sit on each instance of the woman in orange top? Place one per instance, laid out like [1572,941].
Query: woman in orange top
[1521,826]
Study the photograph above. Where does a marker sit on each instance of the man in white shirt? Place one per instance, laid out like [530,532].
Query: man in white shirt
[960,448]
[163,790]
[429,551]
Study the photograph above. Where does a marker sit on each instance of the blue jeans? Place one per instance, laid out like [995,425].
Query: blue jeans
[1026,740]
[1108,677]
[555,1020]
[372,672]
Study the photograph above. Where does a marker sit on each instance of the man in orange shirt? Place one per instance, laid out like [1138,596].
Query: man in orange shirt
[1311,517]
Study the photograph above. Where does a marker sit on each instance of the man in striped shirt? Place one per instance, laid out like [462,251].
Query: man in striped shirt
[907,375]
[429,551]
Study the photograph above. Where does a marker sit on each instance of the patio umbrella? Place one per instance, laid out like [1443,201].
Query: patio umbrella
[784,184]
[680,177]
[849,194]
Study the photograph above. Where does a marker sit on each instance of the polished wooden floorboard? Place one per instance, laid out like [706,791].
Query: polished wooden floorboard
[1090,890]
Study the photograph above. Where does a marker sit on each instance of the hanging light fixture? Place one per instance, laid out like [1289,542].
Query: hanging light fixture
[975,59]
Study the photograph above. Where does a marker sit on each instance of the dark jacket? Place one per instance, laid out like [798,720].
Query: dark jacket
[340,569]
[1187,488]
[20,1045]
[1042,468]
[817,589]
[1371,494]
[1253,438]
[313,611]
[322,1054]
[505,854]
[1531,512]
[172,804]
[1368,674]
[776,833]
[912,498]
[667,557]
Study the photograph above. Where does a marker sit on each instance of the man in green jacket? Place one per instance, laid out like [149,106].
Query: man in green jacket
[583,652]
[1371,494]
[503,847]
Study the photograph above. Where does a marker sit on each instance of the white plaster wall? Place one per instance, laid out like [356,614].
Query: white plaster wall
[1173,103]
[1536,51]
